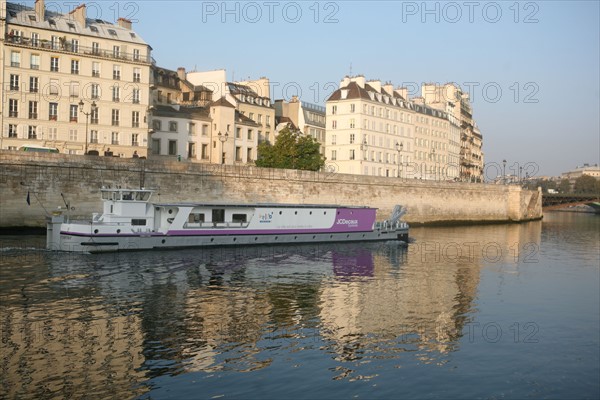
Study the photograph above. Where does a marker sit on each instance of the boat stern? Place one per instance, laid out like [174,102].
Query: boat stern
[53,224]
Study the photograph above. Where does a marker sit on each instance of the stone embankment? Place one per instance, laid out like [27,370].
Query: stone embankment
[46,176]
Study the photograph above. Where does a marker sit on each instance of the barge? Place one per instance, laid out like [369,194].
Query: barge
[131,221]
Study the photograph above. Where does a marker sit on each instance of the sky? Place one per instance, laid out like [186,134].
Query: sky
[531,68]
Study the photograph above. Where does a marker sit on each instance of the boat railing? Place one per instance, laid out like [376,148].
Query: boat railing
[192,225]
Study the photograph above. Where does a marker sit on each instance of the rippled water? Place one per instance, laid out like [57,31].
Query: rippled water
[485,311]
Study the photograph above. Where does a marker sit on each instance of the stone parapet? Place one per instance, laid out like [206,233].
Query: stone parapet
[79,178]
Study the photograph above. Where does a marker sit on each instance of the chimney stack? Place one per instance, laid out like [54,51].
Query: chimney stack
[389,88]
[402,92]
[78,14]
[181,73]
[124,23]
[40,10]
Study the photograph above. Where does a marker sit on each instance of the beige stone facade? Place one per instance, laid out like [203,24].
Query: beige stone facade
[57,67]
[370,129]
[450,98]
[585,169]
[437,147]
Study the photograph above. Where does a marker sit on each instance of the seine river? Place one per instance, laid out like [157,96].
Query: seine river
[500,311]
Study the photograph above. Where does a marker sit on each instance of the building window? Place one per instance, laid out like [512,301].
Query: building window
[238,133]
[52,133]
[116,51]
[204,130]
[95,48]
[73,113]
[334,124]
[159,96]
[136,54]
[32,132]
[135,96]
[75,45]
[33,110]
[15,59]
[12,131]
[352,108]
[116,93]
[95,91]
[115,117]
[268,120]
[13,108]
[333,139]
[172,126]
[169,101]
[54,64]
[205,152]
[93,136]
[73,135]
[249,134]
[75,67]
[352,123]
[172,147]
[34,61]
[333,155]
[334,110]
[34,84]
[238,153]
[14,82]
[137,75]
[351,154]
[53,111]
[94,112]
[35,39]
[74,89]
[249,155]
[96,69]
[135,139]
[135,119]
[192,128]
[114,138]
[116,72]
[54,41]
[155,146]
[156,124]
[352,137]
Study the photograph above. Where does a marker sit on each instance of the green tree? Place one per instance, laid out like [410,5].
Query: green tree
[564,186]
[291,150]
[586,184]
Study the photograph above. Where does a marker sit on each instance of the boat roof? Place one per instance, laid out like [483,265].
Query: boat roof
[255,205]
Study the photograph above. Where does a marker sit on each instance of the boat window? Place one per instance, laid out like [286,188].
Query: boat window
[142,196]
[196,217]
[127,196]
[107,195]
[238,218]
[138,222]
[218,215]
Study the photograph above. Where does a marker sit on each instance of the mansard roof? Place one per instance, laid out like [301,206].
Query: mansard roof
[18,14]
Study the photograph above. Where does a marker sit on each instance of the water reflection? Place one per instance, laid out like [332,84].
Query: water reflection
[106,325]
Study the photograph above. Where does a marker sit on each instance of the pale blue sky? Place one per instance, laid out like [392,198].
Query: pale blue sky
[549,50]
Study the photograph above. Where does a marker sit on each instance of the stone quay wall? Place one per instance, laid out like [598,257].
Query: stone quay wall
[78,178]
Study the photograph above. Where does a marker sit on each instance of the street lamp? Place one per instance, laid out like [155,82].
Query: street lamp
[399,147]
[87,118]
[223,139]
[504,172]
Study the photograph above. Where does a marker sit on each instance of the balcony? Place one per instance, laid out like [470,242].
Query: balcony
[66,47]
[52,118]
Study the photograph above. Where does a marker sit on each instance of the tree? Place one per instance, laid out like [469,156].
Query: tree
[586,184]
[291,150]
[564,186]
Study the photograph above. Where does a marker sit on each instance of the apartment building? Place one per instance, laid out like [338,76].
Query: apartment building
[251,98]
[308,118]
[437,147]
[450,98]
[370,128]
[73,83]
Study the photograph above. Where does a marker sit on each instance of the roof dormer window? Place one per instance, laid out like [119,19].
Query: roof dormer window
[112,32]
[32,18]
[71,26]
[93,29]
